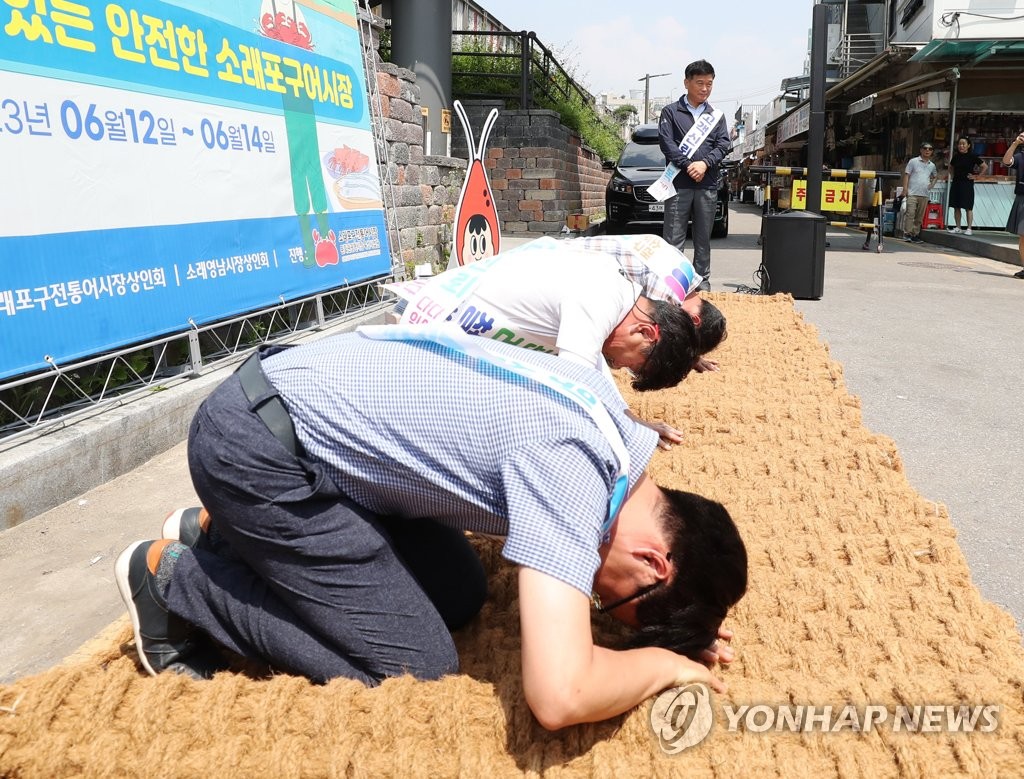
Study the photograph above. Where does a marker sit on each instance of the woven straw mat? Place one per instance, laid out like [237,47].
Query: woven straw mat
[858,595]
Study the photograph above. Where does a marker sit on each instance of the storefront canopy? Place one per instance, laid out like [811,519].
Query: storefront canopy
[874,75]
[922,81]
[970,52]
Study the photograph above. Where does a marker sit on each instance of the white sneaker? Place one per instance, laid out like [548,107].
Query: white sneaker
[968,231]
[956,230]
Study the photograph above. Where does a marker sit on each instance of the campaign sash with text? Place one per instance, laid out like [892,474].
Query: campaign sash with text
[575,391]
[662,189]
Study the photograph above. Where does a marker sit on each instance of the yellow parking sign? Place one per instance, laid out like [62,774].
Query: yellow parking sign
[835,196]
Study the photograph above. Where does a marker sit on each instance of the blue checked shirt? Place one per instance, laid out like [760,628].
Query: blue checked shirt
[416,430]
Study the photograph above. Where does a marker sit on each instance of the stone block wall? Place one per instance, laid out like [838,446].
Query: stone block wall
[426,188]
[540,171]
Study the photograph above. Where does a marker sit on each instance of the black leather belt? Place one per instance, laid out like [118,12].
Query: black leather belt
[266,402]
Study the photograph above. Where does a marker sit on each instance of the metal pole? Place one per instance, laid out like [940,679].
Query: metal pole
[421,40]
[881,214]
[952,140]
[816,123]
[524,70]
[647,91]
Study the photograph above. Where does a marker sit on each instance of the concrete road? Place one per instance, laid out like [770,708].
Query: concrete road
[56,571]
[930,340]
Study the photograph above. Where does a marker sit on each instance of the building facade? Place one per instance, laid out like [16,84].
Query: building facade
[901,72]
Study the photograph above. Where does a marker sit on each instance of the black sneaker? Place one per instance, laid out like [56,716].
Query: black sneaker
[1019,274]
[918,239]
[188,526]
[163,641]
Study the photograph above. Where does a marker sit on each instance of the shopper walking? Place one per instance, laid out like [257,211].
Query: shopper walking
[966,166]
[918,178]
[1014,158]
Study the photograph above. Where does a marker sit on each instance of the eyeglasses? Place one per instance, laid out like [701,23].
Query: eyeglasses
[595,599]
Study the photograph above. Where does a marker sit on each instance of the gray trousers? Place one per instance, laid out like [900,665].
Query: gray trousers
[305,579]
[698,205]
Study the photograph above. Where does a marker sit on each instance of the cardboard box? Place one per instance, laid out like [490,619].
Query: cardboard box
[577,221]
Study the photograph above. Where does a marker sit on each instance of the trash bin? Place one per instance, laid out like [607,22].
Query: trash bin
[793,254]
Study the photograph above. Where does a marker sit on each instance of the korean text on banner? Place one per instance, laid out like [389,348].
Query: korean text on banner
[170,163]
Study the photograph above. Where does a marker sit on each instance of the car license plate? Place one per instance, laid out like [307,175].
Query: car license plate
[656,208]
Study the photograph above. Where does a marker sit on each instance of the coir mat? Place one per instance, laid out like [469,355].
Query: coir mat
[863,647]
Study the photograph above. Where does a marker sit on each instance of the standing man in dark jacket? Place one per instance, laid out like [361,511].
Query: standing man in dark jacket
[695,139]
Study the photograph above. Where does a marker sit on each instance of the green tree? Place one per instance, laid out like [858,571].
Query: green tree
[478,71]
[624,113]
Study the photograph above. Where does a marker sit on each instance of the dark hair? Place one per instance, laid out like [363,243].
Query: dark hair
[478,223]
[711,576]
[672,356]
[711,331]
[699,68]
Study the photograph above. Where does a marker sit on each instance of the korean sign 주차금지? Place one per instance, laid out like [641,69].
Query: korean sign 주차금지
[835,196]
[168,162]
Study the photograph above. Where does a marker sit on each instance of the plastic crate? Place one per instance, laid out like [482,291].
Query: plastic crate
[888,223]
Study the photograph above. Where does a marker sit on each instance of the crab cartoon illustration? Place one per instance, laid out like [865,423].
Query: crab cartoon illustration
[282,20]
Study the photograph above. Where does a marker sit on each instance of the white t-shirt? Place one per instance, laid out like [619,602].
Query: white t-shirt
[919,176]
[565,302]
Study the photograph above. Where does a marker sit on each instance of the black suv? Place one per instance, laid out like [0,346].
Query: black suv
[640,164]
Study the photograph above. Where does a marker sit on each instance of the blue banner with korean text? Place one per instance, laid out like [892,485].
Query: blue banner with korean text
[164,164]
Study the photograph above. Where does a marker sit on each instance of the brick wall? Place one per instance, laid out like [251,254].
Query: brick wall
[540,172]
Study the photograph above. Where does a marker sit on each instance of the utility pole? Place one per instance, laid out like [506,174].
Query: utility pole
[647,90]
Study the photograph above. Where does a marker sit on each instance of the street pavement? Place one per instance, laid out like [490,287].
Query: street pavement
[930,340]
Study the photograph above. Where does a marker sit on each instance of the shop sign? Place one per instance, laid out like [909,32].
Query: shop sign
[795,123]
[861,105]
[835,196]
[932,100]
[753,141]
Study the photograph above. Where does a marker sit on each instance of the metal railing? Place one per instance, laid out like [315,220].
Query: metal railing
[856,50]
[876,213]
[40,403]
[512,66]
